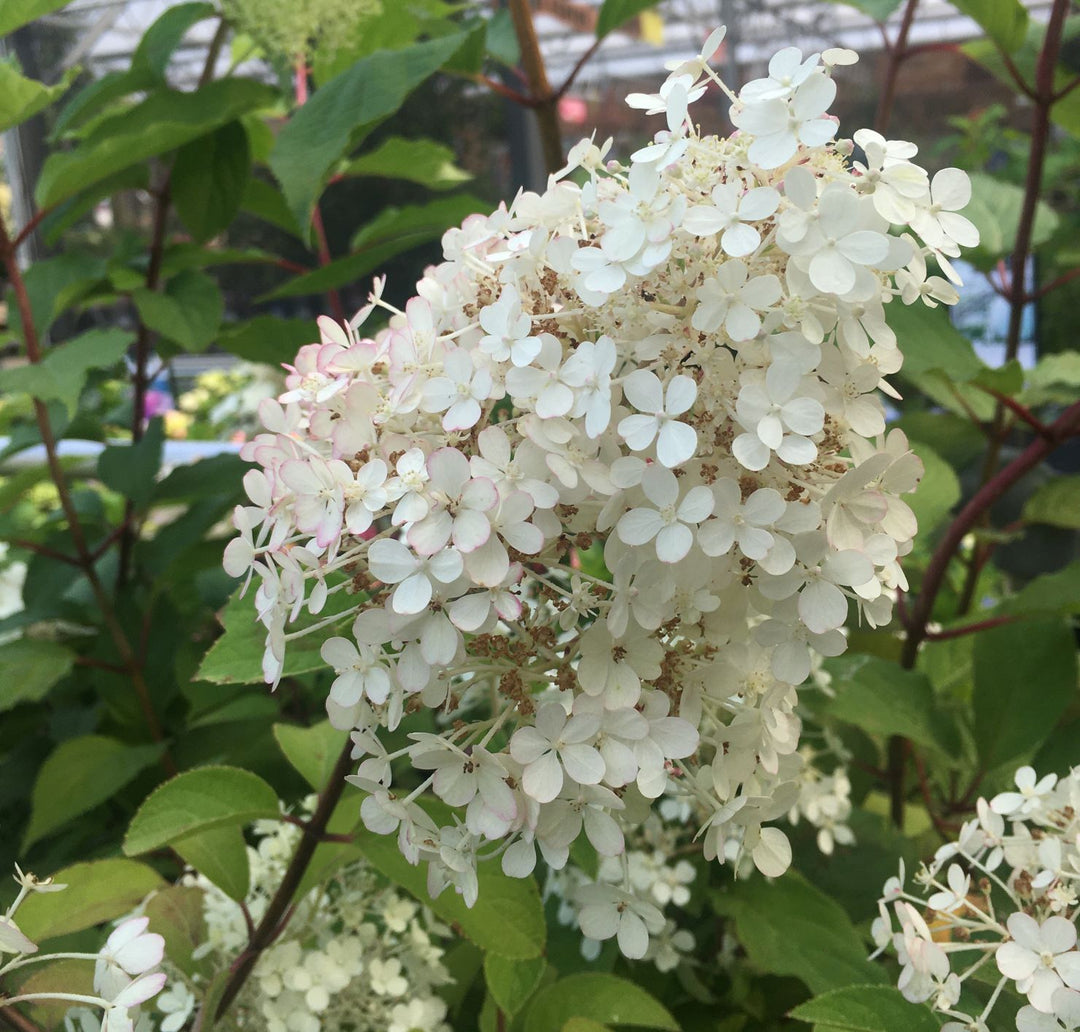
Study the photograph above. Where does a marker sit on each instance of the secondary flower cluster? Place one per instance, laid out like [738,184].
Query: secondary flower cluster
[1004,891]
[126,971]
[356,955]
[610,481]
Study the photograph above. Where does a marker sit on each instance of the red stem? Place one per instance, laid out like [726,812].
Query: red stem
[898,53]
[300,79]
[972,628]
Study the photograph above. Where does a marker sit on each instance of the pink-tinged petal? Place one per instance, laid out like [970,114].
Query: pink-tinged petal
[141,990]
[391,561]
[470,530]
[480,494]
[299,476]
[542,779]
[583,763]
[639,526]
[449,470]
[432,533]
[674,542]
[676,444]
[445,566]
[488,564]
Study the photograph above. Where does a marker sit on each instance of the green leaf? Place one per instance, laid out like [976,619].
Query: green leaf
[1007,379]
[599,997]
[507,918]
[207,797]
[584,1025]
[96,891]
[54,285]
[221,855]
[21,99]
[61,374]
[216,475]
[130,469]
[938,491]
[99,766]
[929,341]
[1025,679]
[236,657]
[512,982]
[165,120]
[392,232]
[209,177]
[152,55]
[1057,503]
[15,13]
[1051,593]
[882,698]
[313,751]
[267,338]
[614,13]
[1004,21]
[789,927]
[188,311]
[265,201]
[342,111]
[29,668]
[425,162]
[995,209]
[176,914]
[865,1008]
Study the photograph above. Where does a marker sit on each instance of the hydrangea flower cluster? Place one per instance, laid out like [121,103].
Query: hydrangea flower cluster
[1002,906]
[126,968]
[610,480]
[355,955]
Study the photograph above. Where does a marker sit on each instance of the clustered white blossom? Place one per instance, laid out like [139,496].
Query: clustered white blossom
[673,366]
[1003,903]
[356,956]
[126,971]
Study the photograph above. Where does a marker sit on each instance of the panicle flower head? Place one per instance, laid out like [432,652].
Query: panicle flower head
[613,479]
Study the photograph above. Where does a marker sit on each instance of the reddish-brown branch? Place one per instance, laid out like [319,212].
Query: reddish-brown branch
[279,908]
[1058,281]
[898,53]
[31,225]
[1014,73]
[1022,412]
[924,790]
[1066,426]
[576,70]
[17,1020]
[546,102]
[51,553]
[1066,89]
[505,91]
[971,628]
[67,505]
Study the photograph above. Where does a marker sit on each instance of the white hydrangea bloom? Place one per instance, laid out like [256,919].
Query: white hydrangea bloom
[618,472]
